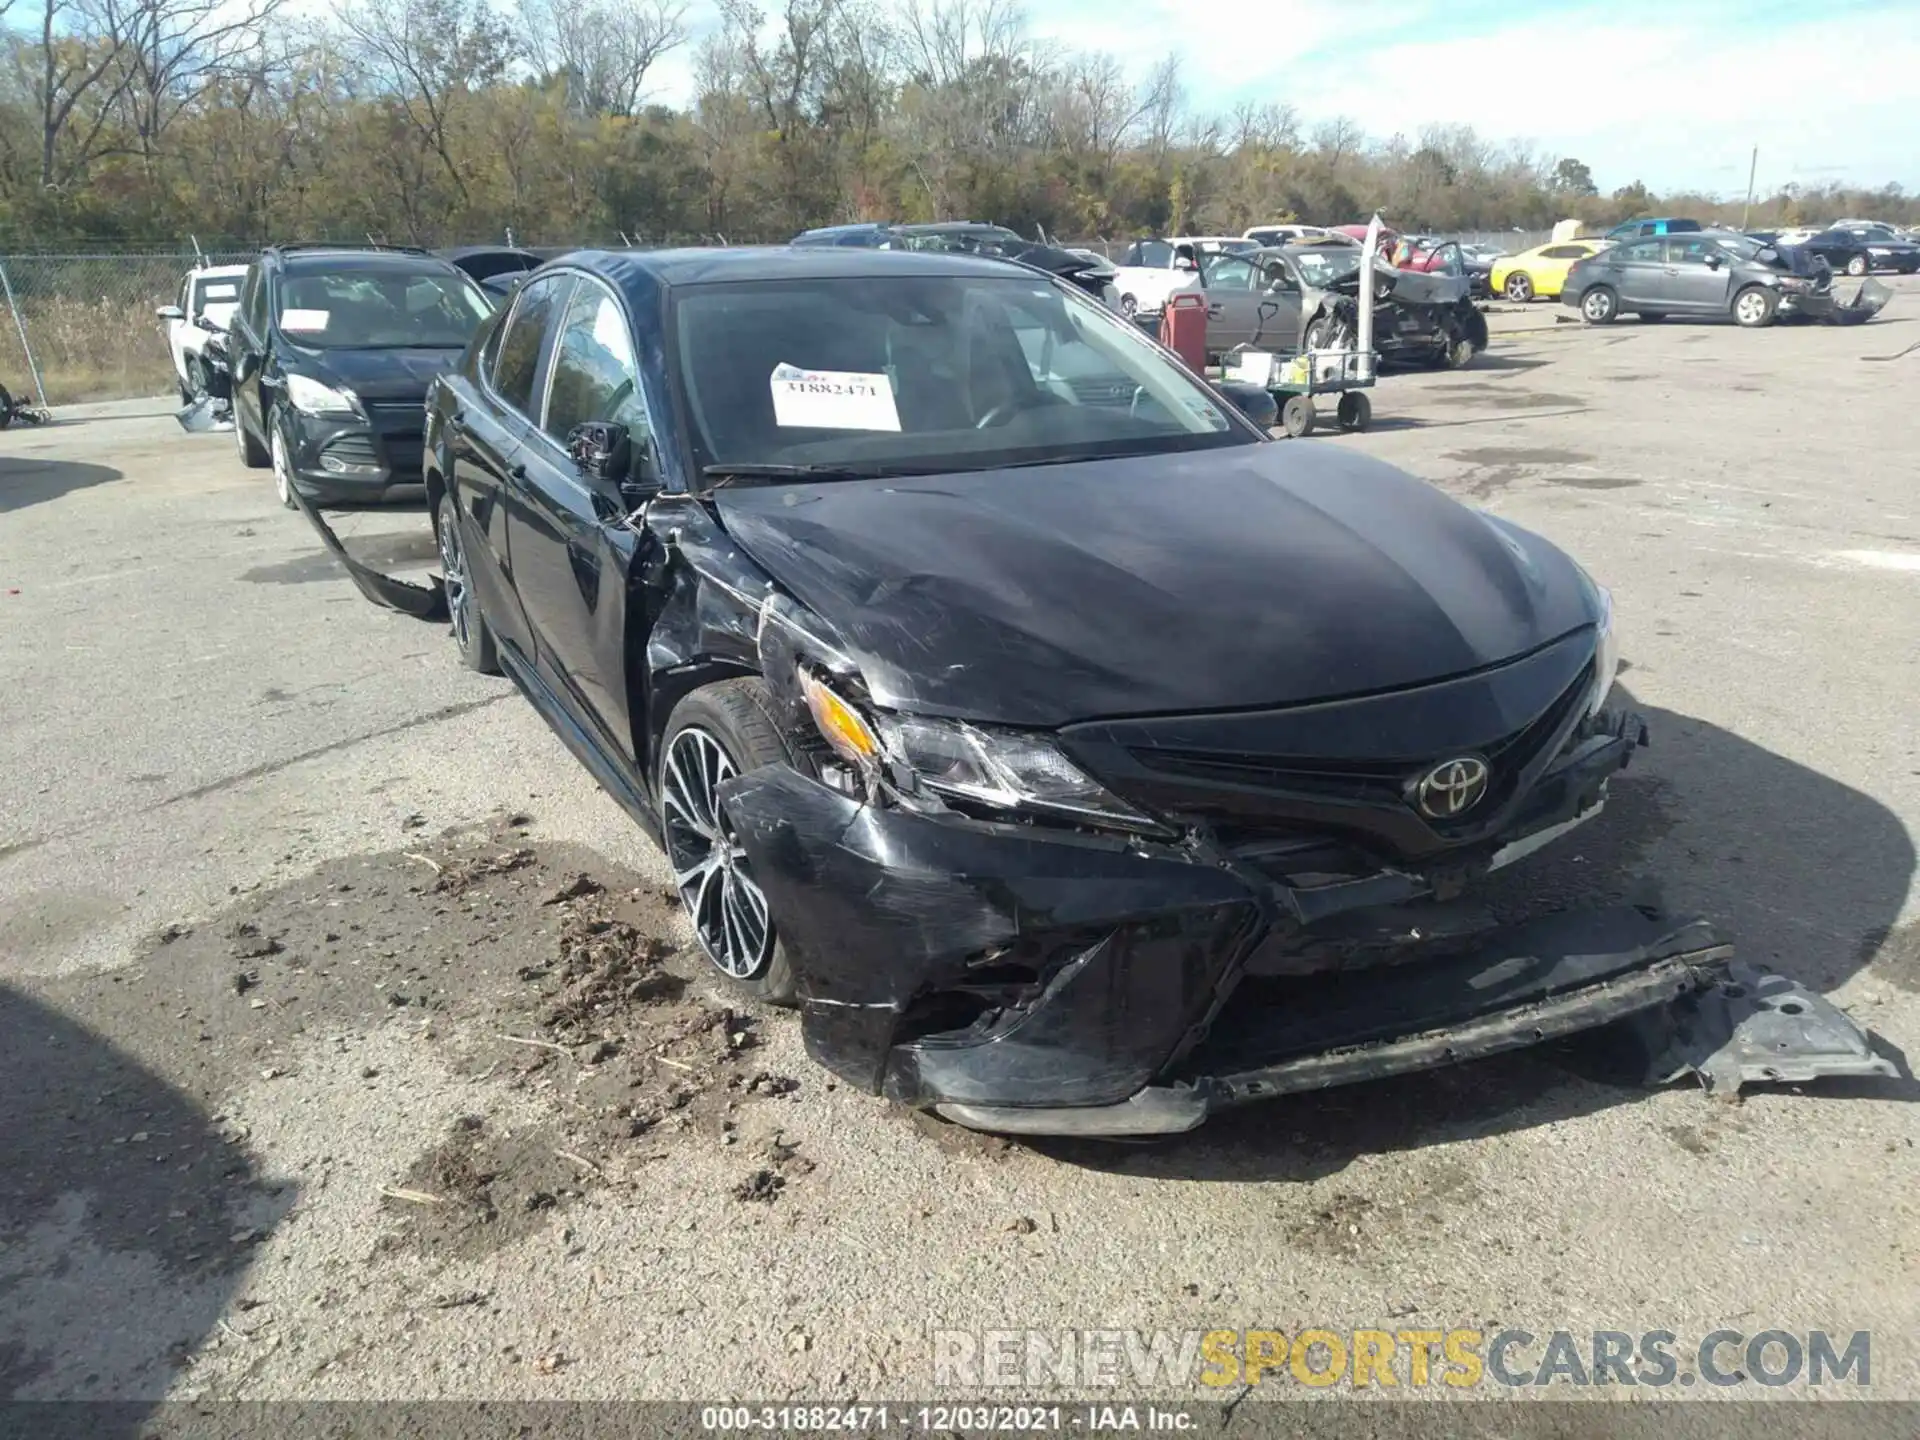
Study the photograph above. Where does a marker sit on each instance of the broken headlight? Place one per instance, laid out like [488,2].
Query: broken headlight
[1003,770]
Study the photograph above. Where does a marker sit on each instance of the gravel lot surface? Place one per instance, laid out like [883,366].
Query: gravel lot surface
[353,1051]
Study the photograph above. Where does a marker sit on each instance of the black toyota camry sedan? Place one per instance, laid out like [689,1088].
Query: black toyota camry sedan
[1077,760]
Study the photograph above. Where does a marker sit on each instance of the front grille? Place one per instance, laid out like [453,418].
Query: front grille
[398,415]
[1367,782]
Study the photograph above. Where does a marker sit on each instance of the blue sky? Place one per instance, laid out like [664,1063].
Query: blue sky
[1671,92]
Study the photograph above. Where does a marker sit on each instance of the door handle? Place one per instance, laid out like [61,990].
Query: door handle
[1213,312]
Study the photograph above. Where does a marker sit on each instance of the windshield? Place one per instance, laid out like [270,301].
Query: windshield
[923,374]
[365,309]
[990,240]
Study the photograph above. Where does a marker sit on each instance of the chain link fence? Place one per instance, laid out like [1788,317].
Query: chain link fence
[82,326]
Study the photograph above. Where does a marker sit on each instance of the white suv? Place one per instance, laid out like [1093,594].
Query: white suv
[209,291]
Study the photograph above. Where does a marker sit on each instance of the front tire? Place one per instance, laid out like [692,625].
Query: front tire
[252,454]
[1519,287]
[472,636]
[281,456]
[1129,306]
[1599,305]
[1754,306]
[715,733]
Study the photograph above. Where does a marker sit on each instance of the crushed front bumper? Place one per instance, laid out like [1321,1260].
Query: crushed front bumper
[1040,981]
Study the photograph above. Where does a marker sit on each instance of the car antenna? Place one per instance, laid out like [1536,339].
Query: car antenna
[510,244]
[199,255]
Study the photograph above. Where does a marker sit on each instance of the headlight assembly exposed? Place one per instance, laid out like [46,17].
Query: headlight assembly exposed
[310,397]
[1005,770]
[1606,655]
[1000,769]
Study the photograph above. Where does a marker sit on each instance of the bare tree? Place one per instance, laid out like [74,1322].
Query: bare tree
[76,81]
[171,50]
[603,49]
[428,57]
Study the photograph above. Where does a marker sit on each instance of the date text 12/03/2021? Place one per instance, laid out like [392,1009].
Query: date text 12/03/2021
[945,1419]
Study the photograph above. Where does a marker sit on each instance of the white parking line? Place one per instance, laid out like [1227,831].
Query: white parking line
[1884,559]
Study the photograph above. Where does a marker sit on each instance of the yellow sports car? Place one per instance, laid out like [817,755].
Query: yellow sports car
[1538,274]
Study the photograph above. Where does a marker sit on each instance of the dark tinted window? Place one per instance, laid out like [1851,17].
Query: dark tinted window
[1682,226]
[594,377]
[1563,252]
[519,356]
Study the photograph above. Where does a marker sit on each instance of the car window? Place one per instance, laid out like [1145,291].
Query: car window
[926,373]
[222,292]
[1274,272]
[253,300]
[1564,252]
[1229,272]
[1448,261]
[1690,250]
[593,375]
[1674,227]
[1156,254]
[1645,252]
[518,360]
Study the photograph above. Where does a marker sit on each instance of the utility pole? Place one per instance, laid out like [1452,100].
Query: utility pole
[1752,169]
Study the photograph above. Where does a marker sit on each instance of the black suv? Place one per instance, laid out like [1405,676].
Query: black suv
[332,349]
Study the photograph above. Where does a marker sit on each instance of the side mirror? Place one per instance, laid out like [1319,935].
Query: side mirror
[1713,262]
[1257,404]
[171,312]
[605,454]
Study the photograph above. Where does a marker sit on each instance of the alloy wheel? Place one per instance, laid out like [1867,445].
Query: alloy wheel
[710,868]
[453,567]
[1519,289]
[1598,306]
[282,465]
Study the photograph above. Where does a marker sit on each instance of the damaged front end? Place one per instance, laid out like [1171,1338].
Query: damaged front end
[1242,924]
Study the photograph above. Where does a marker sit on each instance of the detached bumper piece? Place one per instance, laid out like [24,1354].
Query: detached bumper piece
[1868,299]
[423,602]
[1038,982]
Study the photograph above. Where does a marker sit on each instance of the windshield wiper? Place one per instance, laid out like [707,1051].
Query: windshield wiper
[757,470]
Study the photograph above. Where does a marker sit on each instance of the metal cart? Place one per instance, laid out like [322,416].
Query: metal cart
[1294,380]
[1295,377]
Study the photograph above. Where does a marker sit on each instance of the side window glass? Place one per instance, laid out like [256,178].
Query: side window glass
[594,375]
[1224,272]
[1643,252]
[518,360]
[1157,254]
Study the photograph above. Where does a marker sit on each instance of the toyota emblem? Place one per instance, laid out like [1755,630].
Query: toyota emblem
[1451,788]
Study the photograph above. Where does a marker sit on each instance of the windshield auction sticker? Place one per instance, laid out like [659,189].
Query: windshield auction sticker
[303,319]
[832,400]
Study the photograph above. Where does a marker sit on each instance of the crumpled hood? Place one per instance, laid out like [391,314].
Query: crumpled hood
[382,376]
[1255,576]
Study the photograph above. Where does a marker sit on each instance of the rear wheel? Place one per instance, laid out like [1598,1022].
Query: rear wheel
[1519,287]
[1858,265]
[6,408]
[1129,306]
[1355,411]
[1753,307]
[714,734]
[1599,305]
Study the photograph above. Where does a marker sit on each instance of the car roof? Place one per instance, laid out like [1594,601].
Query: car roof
[640,271]
[219,271]
[307,261]
[467,252]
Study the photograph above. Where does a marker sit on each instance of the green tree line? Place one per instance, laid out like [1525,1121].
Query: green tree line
[437,121]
